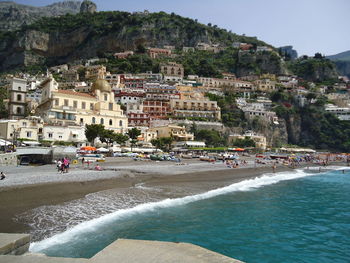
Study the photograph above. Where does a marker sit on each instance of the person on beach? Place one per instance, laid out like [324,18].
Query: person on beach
[274,168]
[98,167]
[66,165]
[59,166]
[82,161]
[62,166]
[2,176]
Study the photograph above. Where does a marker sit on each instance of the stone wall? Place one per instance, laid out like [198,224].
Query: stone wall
[8,159]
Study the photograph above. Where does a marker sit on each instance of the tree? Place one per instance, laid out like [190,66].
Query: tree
[157,143]
[318,55]
[163,143]
[167,141]
[107,136]
[246,142]
[93,131]
[211,137]
[133,134]
[120,138]
[140,49]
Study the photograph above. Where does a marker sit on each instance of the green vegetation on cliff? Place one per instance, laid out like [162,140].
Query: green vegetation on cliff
[63,39]
[317,69]
[312,126]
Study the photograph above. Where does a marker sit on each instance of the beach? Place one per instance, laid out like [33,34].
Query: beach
[26,188]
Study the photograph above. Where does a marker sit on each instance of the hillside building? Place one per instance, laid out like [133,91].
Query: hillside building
[67,108]
[17,101]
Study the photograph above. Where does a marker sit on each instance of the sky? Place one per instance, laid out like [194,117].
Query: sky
[310,26]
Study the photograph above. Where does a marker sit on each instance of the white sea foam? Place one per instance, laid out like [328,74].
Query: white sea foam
[91,225]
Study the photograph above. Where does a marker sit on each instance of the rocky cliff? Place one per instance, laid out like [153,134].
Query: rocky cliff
[258,63]
[66,38]
[314,69]
[13,16]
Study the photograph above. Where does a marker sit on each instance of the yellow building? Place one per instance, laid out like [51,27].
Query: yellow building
[30,128]
[66,107]
[177,132]
[195,104]
[265,85]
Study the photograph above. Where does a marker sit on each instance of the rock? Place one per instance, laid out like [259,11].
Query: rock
[88,7]
[13,16]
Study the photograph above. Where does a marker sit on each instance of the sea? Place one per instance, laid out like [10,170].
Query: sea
[295,216]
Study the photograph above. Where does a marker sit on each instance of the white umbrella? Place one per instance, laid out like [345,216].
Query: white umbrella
[102,150]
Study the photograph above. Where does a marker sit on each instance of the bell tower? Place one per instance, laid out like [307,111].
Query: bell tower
[17,102]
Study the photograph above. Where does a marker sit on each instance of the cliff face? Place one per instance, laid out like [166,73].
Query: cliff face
[13,16]
[66,38]
[259,63]
[314,69]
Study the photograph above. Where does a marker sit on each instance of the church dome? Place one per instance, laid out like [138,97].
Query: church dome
[101,85]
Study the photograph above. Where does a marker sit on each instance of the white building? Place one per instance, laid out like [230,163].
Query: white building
[342,113]
[74,134]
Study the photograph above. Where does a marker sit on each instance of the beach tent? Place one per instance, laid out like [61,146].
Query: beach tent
[102,150]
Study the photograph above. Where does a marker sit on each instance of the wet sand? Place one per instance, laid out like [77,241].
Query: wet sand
[16,199]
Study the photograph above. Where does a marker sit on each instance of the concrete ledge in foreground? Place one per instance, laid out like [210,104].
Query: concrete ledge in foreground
[121,251]
[14,244]
[137,251]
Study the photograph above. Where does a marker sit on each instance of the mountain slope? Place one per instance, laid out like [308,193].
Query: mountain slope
[343,56]
[342,62]
[66,38]
[13,16]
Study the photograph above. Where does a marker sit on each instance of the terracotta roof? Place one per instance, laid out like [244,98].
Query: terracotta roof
[74,93]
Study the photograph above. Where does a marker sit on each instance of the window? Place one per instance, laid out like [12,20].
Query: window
[120,123]
[106,97]
[57,102]
[81,120]
[93,120]
[29,134]
[75,104]
[110,122]
[83,105]
[24,124]
[110,106]
[19,97]
[50,135]
[19,110]
[102,121]
[91,106]
[65,102]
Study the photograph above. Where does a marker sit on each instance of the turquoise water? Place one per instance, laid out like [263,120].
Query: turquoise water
[306,219]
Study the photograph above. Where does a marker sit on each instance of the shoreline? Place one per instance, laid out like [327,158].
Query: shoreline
[18,199]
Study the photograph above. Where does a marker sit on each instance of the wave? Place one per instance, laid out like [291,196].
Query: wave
[94,224]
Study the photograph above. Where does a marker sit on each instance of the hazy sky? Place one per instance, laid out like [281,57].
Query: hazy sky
[309,25]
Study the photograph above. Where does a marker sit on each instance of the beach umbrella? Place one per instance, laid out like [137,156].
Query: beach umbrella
[102,150]
[239,150]
[88,148]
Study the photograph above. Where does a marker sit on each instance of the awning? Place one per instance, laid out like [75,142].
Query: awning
[31,142]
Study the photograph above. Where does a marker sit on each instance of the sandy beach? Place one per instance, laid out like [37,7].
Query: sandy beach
[26,188]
